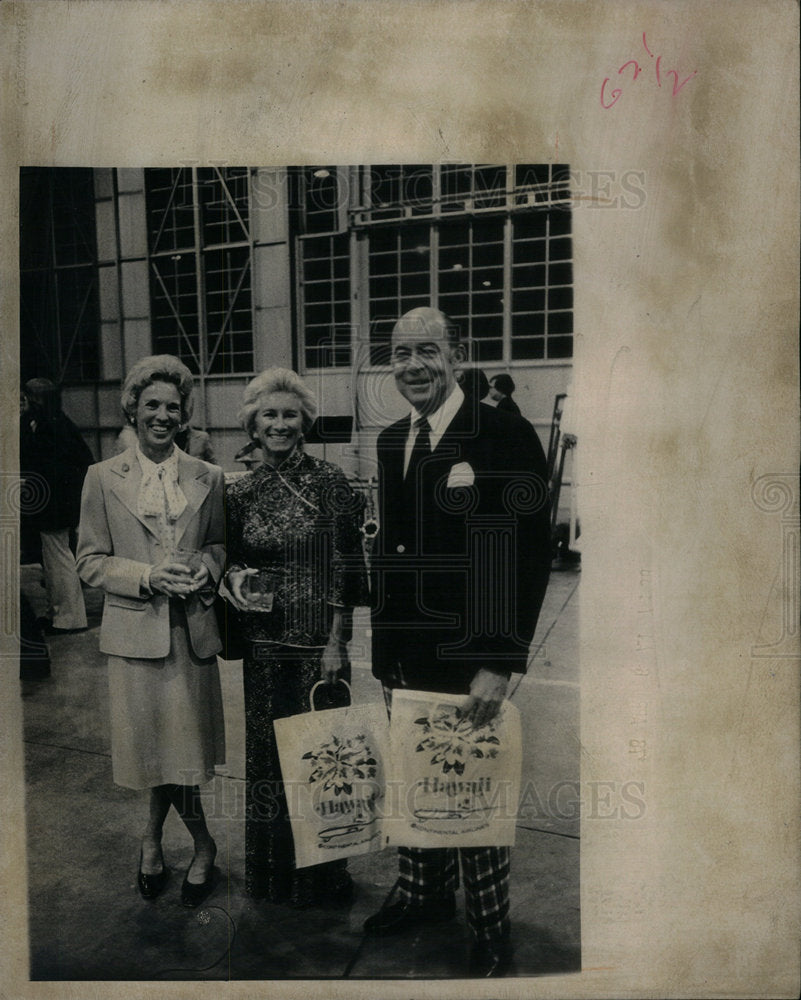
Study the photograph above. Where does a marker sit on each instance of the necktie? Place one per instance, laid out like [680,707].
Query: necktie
[413,493]
[421,449]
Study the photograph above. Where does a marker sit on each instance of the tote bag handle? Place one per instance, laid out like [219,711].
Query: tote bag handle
[340,680]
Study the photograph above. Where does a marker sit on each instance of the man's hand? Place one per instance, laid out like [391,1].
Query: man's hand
[334,661]
[487,691]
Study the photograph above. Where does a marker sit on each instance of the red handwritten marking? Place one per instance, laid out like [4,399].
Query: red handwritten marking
[635,64]
[617,92]
[615,95]
[676,85]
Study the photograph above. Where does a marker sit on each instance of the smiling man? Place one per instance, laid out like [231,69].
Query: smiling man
[461,566]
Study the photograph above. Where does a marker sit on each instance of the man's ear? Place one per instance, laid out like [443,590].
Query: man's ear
[458,355]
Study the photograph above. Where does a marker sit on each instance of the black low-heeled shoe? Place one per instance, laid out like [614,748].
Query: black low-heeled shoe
[193,893]
[151,885]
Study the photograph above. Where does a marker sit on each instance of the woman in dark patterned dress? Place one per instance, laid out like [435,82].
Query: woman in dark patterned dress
[297,518]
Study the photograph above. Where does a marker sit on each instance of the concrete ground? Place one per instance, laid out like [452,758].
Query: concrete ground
[88,921]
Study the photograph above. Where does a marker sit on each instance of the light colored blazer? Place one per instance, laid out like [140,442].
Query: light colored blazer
[116,545]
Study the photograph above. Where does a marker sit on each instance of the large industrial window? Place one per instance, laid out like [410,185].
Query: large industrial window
[200,259]
[488,244]
[59,311]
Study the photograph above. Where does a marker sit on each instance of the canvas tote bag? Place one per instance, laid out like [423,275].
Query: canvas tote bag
[333,764]
[451,785]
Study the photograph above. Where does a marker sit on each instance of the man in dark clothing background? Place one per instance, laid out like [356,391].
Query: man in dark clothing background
[53,462]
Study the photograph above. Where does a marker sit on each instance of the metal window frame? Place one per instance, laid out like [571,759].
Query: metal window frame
[542,195]
[209,343]
[51,342]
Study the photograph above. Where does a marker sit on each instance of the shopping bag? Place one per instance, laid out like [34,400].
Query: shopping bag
[333,767]
[452,785]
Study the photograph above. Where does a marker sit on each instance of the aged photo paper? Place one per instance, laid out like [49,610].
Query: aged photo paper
[679,121]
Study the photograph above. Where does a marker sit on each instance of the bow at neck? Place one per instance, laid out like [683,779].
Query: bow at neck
[159,492]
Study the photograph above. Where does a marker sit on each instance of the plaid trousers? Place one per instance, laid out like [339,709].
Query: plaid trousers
[430,873]
[426,874]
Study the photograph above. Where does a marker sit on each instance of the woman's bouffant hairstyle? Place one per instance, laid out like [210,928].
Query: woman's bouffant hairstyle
[276,380]
[157,368]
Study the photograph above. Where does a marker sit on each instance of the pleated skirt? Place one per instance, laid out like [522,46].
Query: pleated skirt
[167,723]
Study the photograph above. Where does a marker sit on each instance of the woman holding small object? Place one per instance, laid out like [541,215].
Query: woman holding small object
[295,572]
[151,536]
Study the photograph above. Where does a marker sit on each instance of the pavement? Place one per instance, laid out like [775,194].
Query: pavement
[87,920]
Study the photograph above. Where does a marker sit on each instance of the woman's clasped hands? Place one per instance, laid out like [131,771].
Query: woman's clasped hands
[177,579]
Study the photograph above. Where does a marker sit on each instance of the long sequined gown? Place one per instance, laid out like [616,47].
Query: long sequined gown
[303,522]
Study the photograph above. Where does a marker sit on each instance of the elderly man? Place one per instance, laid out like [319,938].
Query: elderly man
[461,566]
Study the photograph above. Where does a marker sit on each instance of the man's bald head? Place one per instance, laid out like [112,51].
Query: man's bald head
[425,355]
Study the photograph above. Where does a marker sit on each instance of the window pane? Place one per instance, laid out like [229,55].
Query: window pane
[74,216]
[532,348]
[453,281]
[174,319]
[560,249]
[527,324]
[560,222]
[487,327]
[455,305]
[487,350]
[326,308]
[529,276]
[415,285]
[487,277]
[560,274]
[170,210]
[560,347]
[399,276]
[321,199]
[529,301]
[561,322]
[454,234]
[531,225]
[228,310]
[224,198]
[490,187]
[560,298]
[59,302]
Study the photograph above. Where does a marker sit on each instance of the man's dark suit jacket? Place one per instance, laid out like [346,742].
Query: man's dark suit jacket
[462,557]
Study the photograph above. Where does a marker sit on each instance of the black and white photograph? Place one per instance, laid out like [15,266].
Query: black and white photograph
[400,498]
[280,347]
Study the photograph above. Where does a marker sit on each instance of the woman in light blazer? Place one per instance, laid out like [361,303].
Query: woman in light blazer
[151,536]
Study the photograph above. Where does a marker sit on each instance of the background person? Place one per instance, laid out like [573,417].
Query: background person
[159,628]
[501,388]
[54,454]
[474,383]
[445,468]
[298,518]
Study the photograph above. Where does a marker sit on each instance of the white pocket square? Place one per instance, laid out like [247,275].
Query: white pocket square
[461,474]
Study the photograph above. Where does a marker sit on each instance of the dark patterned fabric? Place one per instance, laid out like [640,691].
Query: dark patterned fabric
[302,522]
[277,684]
[430,873]
[426,874]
